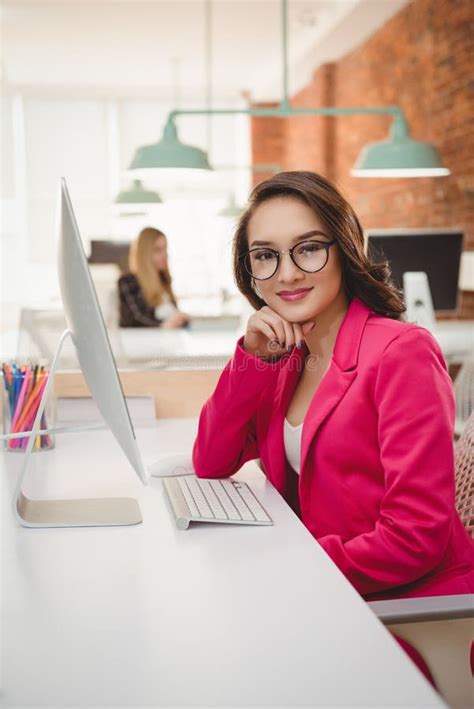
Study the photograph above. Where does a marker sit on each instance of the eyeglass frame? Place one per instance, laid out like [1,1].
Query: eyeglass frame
[325,244]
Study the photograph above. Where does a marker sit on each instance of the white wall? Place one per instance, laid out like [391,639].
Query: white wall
[91,141]
[86,83]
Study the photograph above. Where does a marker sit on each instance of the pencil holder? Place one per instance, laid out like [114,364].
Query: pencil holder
[22,390]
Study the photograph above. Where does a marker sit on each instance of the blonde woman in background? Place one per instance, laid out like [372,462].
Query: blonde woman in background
[146,294]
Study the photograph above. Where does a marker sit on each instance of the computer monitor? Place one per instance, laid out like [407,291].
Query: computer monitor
[89,334]
[437,252]
[110,251]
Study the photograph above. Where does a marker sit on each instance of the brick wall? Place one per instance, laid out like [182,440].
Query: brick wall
[421,60]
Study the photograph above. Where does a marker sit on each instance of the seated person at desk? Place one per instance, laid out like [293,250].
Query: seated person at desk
[350,409]
[146,295]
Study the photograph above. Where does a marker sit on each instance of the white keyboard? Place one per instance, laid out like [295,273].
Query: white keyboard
[226,501]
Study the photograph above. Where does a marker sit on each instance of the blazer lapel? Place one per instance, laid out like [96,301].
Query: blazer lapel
[286,385]
[340,375]
[337,380]
[333,386]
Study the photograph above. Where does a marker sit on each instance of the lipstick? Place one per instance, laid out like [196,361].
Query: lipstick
[294,295]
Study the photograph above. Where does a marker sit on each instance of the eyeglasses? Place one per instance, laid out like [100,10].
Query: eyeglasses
[309,256]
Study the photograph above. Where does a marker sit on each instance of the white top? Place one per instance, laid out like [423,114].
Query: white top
[166,308]
[124,597]
[292,438]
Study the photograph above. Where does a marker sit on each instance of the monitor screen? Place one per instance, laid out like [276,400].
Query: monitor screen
[436,252]
[86,325]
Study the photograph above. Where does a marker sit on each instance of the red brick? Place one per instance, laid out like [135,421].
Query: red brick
[421,60]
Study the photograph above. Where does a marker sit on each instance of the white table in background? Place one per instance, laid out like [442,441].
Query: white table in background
[150,616]
[456,338]
[178,348]
[205,345]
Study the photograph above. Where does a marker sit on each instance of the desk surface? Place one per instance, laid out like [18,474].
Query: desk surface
[456,338]
[179,348]
[213,616]
[202,347]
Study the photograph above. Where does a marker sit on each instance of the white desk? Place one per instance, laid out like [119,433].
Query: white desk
[213,616]
[456,338]
[177,349]
[203,346]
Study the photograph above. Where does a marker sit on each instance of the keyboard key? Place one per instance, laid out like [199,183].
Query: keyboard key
[253,503]
[243,509]
[199,499]
[216,506]
[188,497]
[226,501]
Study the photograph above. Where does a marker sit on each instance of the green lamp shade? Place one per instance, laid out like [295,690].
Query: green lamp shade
[400,156]
[169,153]
[138,195]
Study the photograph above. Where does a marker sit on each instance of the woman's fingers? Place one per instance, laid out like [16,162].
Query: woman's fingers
[290,335]
[259,326]
[276,323]
[289,338]
[283,328]
[268,332]
[298,332]
[281,334]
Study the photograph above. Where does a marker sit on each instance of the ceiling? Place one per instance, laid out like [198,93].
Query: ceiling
[157,48]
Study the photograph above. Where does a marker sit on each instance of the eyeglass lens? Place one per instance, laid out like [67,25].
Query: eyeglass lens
[262,263]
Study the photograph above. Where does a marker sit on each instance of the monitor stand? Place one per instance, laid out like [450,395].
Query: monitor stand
[418,301]
[86,512]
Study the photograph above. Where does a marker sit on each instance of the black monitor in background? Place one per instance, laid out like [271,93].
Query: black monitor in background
[110,251]
[437,252]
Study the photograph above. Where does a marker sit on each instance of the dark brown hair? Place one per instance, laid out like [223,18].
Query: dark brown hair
[362,277]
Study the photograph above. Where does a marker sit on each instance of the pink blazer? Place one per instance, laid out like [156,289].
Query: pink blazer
[376,486]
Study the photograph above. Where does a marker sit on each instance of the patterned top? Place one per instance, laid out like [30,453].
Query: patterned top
[134,310]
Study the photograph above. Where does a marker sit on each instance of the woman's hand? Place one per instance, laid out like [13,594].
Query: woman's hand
[269,335]
[176,319]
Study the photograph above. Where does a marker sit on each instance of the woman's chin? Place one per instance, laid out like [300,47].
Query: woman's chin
[295,312]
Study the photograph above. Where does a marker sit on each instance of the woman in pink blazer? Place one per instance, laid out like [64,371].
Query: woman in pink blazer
[373,472]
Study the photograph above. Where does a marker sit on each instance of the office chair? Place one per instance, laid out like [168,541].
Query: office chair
[441,628]
[464,393]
